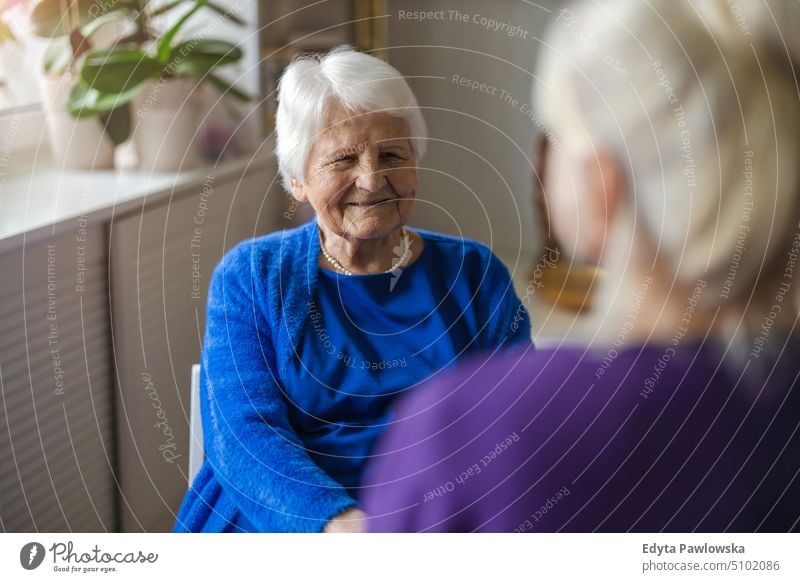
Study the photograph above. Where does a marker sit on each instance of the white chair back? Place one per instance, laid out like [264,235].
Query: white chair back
[195,427]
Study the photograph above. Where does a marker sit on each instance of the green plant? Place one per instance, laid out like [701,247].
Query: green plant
[69,25]
[109,78]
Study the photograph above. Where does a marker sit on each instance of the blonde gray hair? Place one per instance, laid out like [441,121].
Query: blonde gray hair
[698,104]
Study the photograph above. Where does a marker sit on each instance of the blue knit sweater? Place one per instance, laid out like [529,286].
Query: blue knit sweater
[257,474]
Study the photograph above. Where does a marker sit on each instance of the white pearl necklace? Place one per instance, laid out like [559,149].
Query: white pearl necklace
[339,267]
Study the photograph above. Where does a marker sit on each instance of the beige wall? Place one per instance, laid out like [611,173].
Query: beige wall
[488,199]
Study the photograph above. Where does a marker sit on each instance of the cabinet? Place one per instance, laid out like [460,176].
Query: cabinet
[161,260]
[101,318]
[57,451]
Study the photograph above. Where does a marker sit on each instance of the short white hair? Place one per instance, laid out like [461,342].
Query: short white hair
[678,96]
[360,82]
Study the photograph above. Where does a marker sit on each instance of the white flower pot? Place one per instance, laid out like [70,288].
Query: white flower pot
[78,144]
[166,120]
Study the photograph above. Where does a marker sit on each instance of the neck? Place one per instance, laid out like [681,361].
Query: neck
[638,301]
[646,307]
[363,256]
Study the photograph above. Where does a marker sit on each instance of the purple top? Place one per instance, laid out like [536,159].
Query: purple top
[660,438]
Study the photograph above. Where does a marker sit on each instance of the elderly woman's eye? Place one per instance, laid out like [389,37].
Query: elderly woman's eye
[392,156]
[343,159]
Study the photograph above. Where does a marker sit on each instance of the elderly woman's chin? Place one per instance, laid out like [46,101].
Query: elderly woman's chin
[376,220]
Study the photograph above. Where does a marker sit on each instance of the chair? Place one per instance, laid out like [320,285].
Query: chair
[195,427]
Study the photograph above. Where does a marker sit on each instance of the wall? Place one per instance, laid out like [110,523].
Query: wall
[476,178]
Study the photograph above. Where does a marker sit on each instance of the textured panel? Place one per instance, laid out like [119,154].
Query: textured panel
[56,426]
[161,263]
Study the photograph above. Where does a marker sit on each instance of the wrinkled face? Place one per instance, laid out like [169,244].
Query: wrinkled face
[361,176]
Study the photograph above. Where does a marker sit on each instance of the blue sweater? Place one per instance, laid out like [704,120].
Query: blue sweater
[258,474]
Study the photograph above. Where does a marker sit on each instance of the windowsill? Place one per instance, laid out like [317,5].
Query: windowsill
[38,199]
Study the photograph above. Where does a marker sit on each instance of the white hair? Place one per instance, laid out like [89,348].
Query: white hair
[360,82]
[696,118]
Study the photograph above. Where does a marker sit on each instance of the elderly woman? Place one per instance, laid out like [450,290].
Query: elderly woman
[312,332]
[678,410]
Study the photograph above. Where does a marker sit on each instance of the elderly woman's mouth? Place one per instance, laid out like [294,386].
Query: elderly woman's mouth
[369,203]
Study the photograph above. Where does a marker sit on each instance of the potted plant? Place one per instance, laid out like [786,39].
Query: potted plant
[159,76]
[71,28]
[85,121]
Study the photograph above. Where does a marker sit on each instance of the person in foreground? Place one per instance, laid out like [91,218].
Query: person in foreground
[312,332]
[679,411]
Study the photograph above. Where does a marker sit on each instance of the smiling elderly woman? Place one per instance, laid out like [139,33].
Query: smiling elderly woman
[312,332]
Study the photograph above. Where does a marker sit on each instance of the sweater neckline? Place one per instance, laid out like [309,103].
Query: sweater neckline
[371,276]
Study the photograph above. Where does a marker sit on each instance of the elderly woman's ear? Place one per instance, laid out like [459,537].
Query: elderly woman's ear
[298,191]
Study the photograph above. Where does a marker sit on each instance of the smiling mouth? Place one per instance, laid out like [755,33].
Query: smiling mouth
[369,204]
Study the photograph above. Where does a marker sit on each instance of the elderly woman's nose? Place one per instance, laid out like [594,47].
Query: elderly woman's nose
[370,177]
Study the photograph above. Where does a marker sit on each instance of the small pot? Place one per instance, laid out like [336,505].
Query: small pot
[77,144]
[166,117]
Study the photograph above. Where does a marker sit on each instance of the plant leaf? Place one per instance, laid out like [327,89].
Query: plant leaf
[49,18]
[93,26]
[117,123]
[57,56]
[226,88]
[196,57]
[86,101]
[116,69]
[164,48]
[211,5]
[223,12]
[165,8]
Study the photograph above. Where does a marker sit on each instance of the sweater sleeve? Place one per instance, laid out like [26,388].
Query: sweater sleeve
[508,322]
[256,455]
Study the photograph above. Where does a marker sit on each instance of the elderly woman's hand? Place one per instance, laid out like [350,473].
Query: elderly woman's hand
[349,521]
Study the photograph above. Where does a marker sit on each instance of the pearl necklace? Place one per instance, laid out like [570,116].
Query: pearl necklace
[406,245]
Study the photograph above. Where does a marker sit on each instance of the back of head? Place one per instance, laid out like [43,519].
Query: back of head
[698,102]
